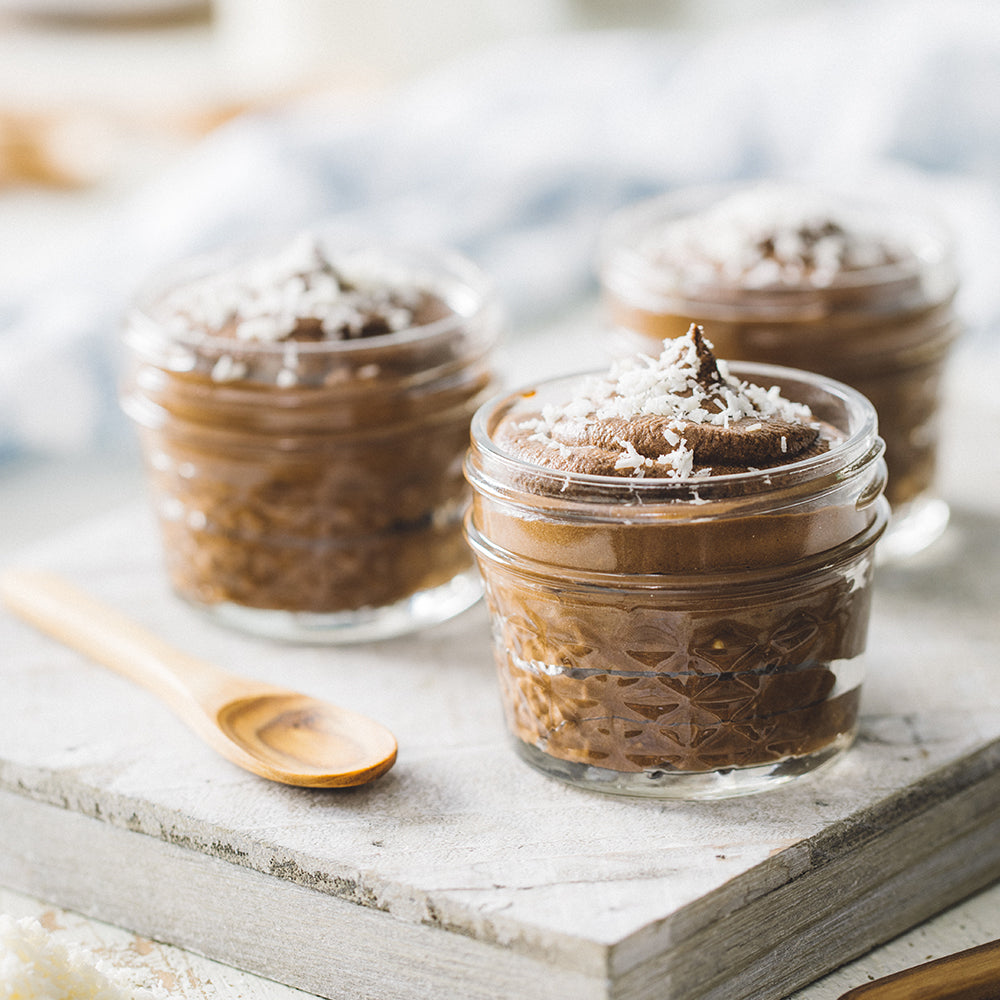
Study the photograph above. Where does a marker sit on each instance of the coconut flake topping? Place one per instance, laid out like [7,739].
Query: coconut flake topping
[682,405]
[770,235]
[672,385]
[295,294]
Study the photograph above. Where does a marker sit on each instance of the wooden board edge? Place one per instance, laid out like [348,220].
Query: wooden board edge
[257,923]
[871,877]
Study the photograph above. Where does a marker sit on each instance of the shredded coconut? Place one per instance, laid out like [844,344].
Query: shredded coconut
[226,369]
[631,459]
[770,235]
[35,966]
[679,463]
[671,385]
[267,299]
[668,386]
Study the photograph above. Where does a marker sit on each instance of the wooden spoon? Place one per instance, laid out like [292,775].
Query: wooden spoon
[273,732]
[973,974]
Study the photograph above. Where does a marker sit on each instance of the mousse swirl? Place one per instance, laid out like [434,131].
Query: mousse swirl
[677,416]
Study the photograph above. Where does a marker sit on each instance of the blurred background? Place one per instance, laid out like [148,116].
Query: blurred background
[98,95]
[134,132]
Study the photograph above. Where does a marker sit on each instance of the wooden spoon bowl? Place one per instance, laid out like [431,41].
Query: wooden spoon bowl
[302,734]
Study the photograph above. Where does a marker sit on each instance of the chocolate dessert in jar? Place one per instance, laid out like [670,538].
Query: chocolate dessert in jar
[677,559]
[303,416]
[784,274]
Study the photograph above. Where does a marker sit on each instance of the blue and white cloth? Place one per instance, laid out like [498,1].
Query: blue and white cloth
[516,155]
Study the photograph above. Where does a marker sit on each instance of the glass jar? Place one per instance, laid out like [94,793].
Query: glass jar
[313,490]
[692,639]
[884,328]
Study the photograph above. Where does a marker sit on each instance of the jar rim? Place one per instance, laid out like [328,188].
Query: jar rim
[467,289]
[861,446]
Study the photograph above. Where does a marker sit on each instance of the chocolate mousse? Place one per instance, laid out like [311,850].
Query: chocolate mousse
[677,560]
[677,418]
[303,417]
[792,276]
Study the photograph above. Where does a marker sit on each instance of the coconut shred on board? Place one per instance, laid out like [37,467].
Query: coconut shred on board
[35,966]
[769,235]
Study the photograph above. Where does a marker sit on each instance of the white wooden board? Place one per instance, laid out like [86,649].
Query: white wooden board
[463,873]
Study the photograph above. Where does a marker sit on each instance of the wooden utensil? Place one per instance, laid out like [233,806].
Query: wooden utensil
[973,974]
[276,733]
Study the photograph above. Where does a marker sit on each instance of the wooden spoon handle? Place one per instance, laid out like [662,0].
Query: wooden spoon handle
[109,638]
[973,974]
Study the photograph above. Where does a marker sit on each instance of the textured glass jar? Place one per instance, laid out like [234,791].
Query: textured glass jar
[328,509]
[691,639]
[885,329]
